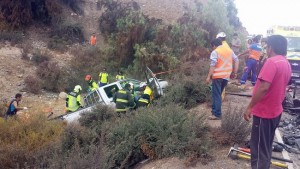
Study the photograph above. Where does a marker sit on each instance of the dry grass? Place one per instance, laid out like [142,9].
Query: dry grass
[22,136]
[234,129]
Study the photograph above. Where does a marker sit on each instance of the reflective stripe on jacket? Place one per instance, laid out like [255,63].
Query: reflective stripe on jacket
[123,100]
[224,63]
[103,77]
[73,101]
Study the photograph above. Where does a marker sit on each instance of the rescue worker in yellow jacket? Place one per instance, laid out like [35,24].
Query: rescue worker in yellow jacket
[73,101]
[120,76]
[123,99]
[103,78]
[92,84]
[146,97]
[220,71]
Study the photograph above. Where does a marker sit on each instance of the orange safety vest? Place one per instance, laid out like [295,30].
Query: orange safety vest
[225,44]
[254,54]
[93,40]
[224,63]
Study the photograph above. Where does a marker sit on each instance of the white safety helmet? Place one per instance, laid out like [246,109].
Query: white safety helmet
[142,84]
[221,35]
[77,88]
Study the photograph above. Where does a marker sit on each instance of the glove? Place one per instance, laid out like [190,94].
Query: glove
[25,108]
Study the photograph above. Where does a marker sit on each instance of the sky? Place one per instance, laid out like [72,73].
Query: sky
[259,15]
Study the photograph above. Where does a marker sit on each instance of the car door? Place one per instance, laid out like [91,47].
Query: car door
[152,82]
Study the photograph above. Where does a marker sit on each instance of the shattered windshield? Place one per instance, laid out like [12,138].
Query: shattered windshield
[293,44]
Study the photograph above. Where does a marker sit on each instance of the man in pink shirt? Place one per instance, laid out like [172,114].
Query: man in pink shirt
[266,102]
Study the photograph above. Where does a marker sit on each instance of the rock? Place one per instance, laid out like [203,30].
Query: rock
[62,95]
[20,76]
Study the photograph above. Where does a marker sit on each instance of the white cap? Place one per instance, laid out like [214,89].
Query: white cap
[221,35]
[142,84]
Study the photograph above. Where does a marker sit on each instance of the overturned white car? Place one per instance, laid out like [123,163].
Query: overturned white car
[104,95]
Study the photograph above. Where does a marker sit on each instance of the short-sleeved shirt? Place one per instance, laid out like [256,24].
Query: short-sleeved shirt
[276,71]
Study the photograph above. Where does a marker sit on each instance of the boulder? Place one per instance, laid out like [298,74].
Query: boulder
[62,95]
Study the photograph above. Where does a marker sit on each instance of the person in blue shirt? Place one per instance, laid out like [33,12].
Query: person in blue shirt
[13,106]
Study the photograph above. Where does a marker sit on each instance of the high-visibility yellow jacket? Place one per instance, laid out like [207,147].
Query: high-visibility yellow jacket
[103,77]
[73,101]
[92,85]
[224,63]
[123,100]
[149,92]
[120,77]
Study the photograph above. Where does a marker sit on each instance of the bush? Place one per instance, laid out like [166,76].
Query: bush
[20,139]
[78,148]
[67,31]
[74,5]
[39,57]
[25,52]
[51,75]
[186,93]
[65,34]
[94,120]
[3,108]
[76,135]
[234,129]
[13,37]
[20,13]
[157,133]
[33,84]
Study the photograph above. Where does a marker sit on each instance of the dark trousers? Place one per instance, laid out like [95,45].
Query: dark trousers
[251,67]
[262,135]
[218,86]
[102,84]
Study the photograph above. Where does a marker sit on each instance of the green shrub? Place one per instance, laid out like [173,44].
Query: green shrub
[156,132]
[94,120]
[186,93]
[76,135]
